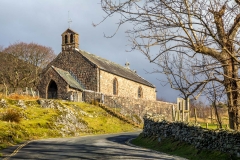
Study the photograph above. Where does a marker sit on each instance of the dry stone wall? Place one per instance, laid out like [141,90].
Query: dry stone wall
[138,107]
[221,140]
[142,107]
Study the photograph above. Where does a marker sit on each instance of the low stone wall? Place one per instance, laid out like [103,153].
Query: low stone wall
[142,107]
[138,107]
[221,140]
[89,96]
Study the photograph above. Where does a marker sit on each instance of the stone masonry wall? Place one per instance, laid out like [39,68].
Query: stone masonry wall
[90,96]
[142,106]
[73,61]
[126,88]
[136,106]
[62,86]
[221,140]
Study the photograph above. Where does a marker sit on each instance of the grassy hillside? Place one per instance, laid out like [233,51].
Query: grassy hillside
[22,120]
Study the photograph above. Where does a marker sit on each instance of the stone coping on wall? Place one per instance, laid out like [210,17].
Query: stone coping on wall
[136,99]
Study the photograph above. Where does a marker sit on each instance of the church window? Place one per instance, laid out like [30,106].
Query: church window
[71,38]
[66,39]
[115,87]
[140,92]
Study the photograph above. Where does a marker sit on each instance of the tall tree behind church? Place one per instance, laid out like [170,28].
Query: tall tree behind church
[22,63]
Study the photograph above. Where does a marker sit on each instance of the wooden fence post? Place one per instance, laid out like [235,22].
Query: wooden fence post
[173,116]
[211,114]
[183,108]
[195,115]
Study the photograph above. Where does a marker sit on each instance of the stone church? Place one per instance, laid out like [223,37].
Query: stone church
[74,71]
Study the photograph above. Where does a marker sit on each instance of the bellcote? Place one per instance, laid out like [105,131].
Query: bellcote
[70,40]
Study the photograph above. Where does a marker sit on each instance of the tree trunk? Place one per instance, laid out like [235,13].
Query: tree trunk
[219,121]
[232,89]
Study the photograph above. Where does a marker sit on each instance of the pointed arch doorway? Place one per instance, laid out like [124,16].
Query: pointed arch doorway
[52,90]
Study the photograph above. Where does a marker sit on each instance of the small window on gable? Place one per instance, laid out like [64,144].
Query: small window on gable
[140,92]
[71,38]
[115,86]
[66,39]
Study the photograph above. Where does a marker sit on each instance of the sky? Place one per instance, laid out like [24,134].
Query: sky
[43,22]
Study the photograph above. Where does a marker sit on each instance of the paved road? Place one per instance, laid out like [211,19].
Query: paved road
[101,147]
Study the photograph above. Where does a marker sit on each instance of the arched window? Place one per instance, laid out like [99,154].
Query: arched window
[66,39]
[140,92]
[115,86]
[71,38]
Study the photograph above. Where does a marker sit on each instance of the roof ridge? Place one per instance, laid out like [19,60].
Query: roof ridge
[108,61]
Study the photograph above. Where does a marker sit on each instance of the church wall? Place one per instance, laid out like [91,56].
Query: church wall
[126,88]
[81,68]
[62,86]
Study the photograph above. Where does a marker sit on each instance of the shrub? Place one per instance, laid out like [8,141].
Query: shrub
[11,115]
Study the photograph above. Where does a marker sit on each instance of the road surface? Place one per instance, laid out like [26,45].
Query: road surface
[99,147]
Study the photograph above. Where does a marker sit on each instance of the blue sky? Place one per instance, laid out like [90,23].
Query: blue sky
[43,22]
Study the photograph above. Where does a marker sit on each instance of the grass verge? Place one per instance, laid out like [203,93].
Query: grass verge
[174,147]
[36,122]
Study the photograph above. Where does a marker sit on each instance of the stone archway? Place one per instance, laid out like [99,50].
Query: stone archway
[52,90]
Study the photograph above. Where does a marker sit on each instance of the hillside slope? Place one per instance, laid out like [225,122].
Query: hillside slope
[26,120]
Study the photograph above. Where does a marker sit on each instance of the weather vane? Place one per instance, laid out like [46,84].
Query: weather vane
[69,20]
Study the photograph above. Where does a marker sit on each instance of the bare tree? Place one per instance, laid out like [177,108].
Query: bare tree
[215,93]
[22,64]
[31,53]
[188,27]
[180,72]
[15,73]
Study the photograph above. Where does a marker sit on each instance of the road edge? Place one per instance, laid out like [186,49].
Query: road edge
[128,142]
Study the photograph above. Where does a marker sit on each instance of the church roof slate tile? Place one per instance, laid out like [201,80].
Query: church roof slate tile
[71,81]
[114,68]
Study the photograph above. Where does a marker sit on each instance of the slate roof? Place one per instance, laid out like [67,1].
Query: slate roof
[114,68]
[71,81]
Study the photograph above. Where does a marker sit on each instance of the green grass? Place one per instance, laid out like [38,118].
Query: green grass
[174,147]
[99,121]
[37,122]
[212,126]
